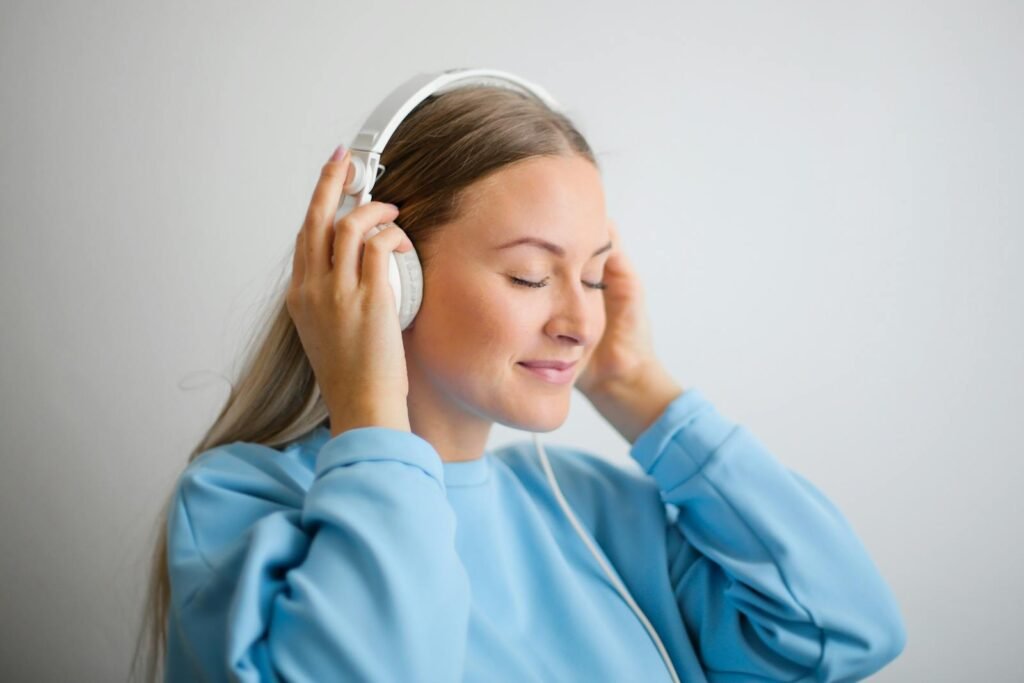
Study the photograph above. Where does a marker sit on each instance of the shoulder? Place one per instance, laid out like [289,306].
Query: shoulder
[251,470]
[226,489]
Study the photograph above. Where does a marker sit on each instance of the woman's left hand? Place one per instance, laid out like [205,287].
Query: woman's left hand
[627,347]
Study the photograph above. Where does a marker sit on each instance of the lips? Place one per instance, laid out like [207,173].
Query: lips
[555,364]
[555,372]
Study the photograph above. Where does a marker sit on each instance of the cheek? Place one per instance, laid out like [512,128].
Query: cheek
[474,322]
[497,322]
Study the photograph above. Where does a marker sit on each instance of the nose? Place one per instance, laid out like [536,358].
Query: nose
[573,319]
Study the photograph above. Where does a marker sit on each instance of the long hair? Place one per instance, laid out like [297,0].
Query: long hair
[448,142]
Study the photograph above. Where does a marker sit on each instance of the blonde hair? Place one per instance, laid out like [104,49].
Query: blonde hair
[447,143]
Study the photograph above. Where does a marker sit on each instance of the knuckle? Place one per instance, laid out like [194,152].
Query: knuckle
[381,241]
[293,300]
[392,231]
[354,231]
[347,224]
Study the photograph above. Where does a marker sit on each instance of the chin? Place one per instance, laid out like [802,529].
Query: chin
[541,416]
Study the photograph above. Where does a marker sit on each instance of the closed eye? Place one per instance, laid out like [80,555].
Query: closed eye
[544,283]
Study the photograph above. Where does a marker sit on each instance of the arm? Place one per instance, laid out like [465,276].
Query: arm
[770,579]
[355,579]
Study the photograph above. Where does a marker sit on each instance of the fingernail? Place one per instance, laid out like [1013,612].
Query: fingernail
[338,153]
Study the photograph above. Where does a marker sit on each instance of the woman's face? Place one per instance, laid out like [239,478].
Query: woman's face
[476,324]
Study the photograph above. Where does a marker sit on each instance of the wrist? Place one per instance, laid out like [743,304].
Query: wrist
[344,419]
[634,404]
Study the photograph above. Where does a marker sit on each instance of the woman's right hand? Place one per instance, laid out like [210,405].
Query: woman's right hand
[344,310]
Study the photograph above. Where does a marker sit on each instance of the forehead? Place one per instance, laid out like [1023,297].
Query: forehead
[560,199]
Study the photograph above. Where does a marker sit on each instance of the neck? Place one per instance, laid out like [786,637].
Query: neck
[455,433]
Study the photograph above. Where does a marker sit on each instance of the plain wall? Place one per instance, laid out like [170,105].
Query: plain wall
[824,199]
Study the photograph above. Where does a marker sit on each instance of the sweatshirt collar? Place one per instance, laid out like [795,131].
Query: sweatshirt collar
[463,473]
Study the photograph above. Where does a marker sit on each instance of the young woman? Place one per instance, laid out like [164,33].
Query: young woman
[342,519]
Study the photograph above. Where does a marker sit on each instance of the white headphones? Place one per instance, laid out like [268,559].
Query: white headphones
[405,273]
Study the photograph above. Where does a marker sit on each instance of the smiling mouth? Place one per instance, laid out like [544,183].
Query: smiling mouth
[550,375]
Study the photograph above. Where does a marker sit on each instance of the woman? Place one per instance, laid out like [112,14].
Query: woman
[343,520]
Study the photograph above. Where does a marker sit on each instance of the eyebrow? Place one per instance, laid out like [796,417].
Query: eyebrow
[544,244]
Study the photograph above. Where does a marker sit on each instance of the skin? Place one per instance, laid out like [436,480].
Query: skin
[475,323]
[464,351]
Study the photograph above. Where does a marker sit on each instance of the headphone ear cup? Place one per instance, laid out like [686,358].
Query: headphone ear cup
[405,275]
[358,181]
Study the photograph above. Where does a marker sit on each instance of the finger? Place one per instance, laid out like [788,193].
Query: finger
[377,256]
[349,235]
[613,229]
[320,215]
[298,260]
[617,260]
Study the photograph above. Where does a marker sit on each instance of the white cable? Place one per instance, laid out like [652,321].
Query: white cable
[593,551]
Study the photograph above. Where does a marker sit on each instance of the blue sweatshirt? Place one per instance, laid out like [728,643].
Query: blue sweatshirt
[365,557]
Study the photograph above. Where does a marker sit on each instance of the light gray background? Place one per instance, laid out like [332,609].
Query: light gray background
[824,199]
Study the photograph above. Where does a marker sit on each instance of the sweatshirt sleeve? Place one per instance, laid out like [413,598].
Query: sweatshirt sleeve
[769,577]
[355,579]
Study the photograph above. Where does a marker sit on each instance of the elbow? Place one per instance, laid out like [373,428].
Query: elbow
[881,643]
[885,630]
[890,630]
[894,638]
[861,648]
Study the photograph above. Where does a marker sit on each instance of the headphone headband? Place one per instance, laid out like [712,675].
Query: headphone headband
[385,119]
